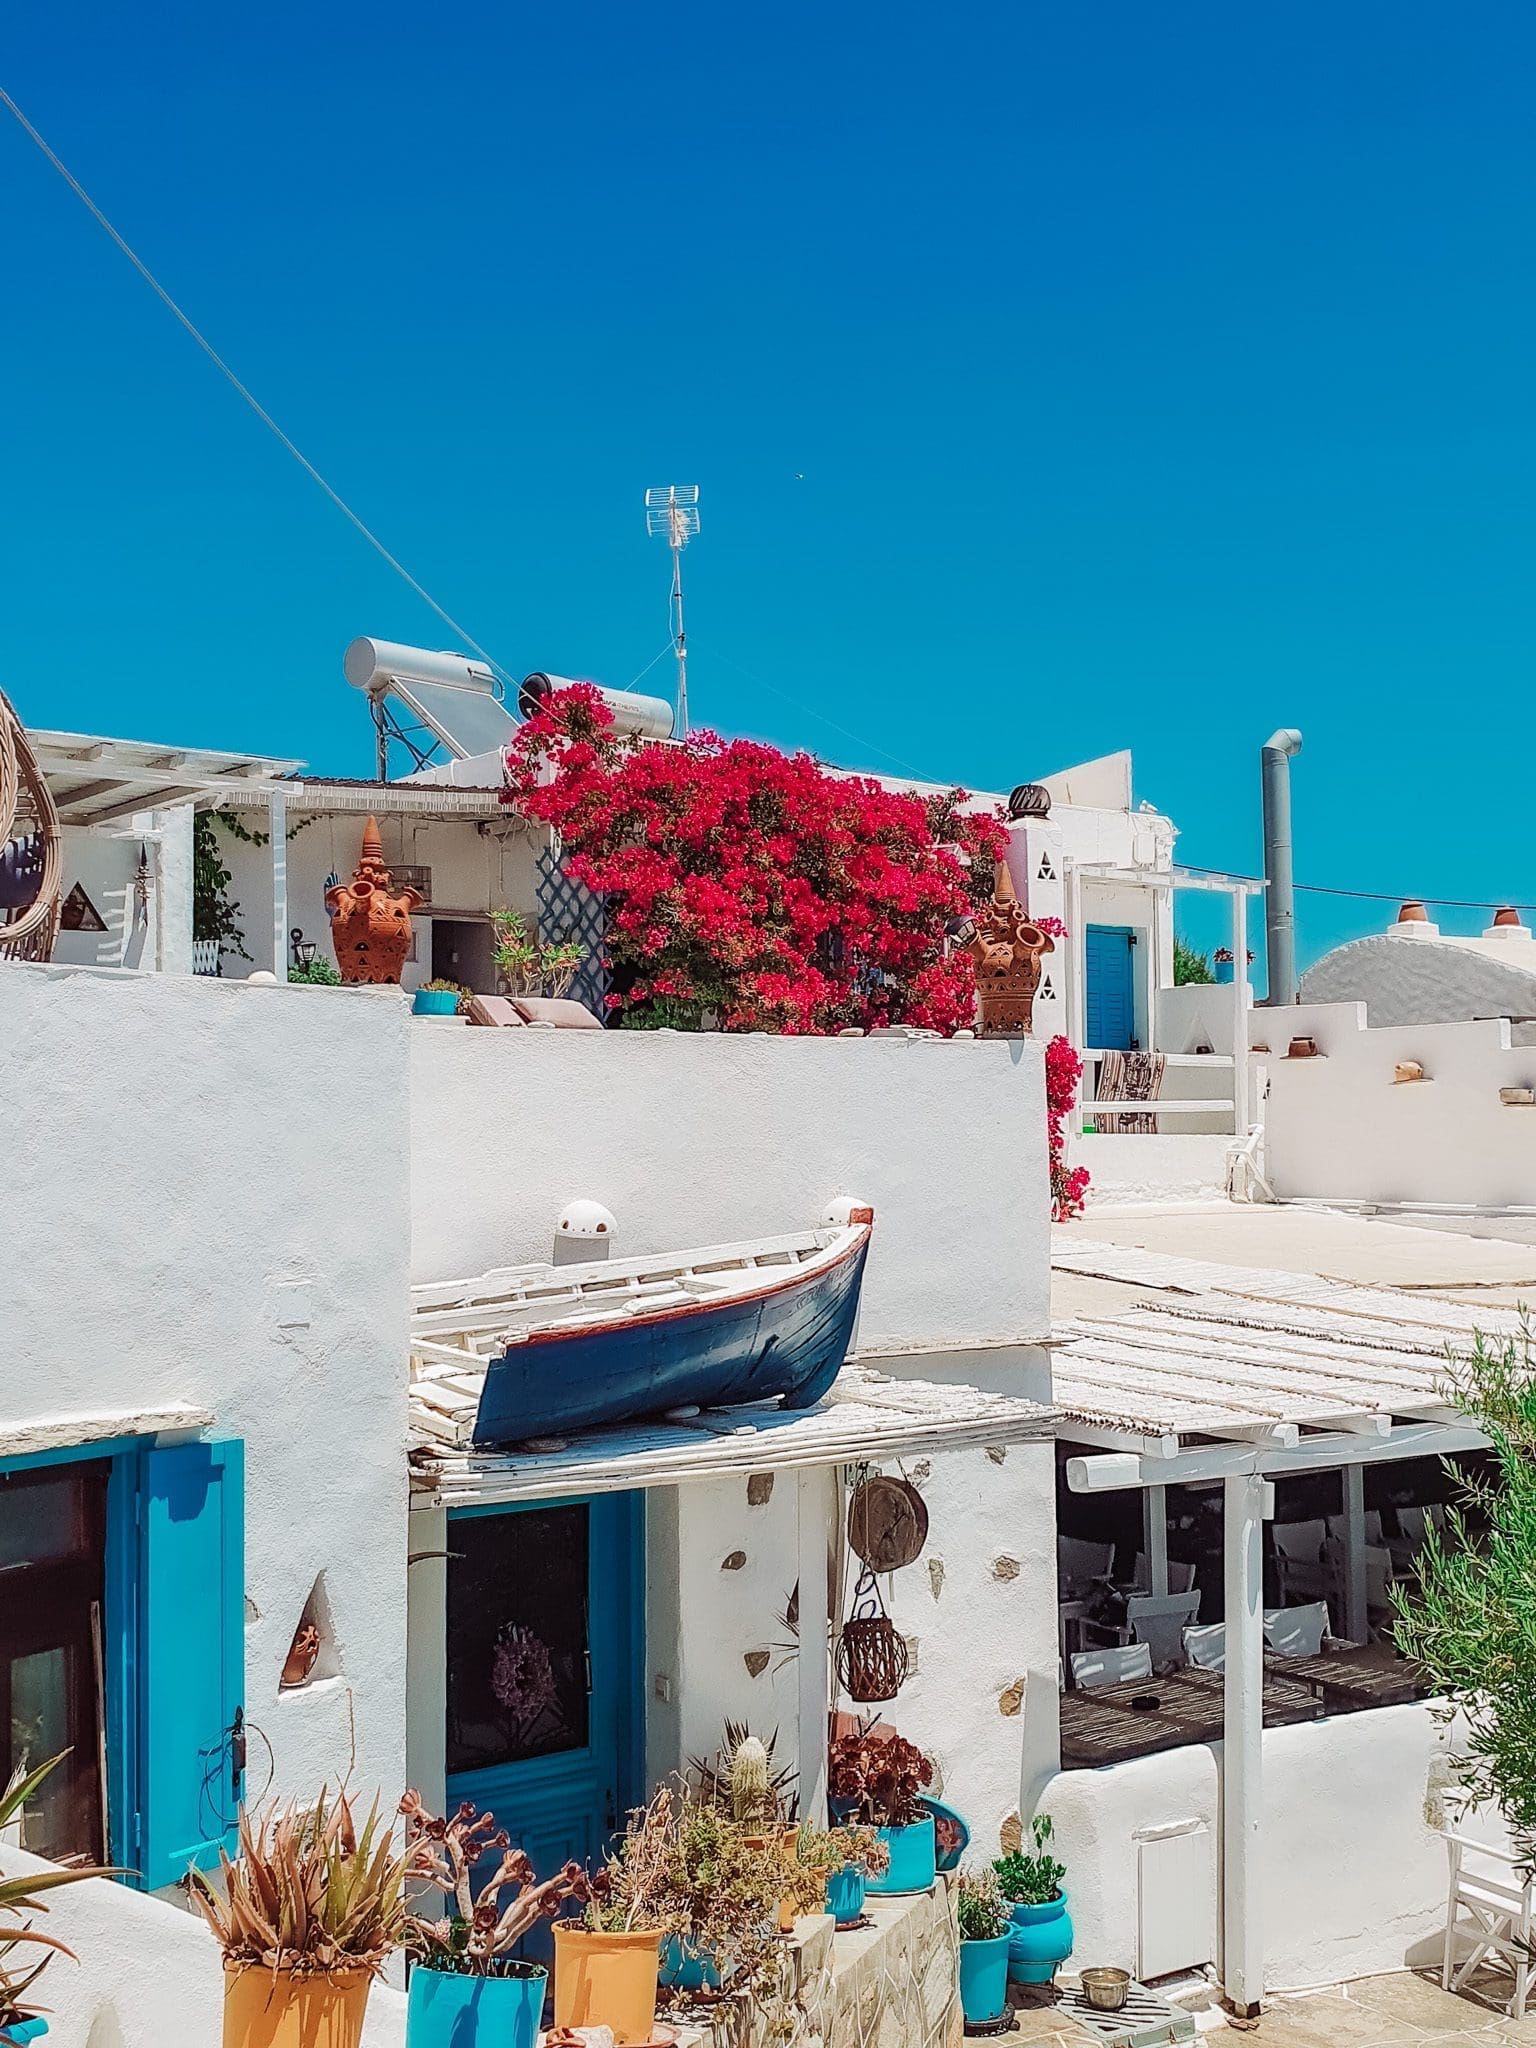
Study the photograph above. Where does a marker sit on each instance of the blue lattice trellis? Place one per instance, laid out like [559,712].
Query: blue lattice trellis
[568,911]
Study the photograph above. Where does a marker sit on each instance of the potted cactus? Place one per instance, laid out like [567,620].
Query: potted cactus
[877,1780]
[437,998]
[983,1917]
[1042,1932]
[307,1913]
[467,1986]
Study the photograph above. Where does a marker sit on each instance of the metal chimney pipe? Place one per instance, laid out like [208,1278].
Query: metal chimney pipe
[1280,897]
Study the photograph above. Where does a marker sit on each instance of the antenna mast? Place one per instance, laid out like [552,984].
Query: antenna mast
[672,511]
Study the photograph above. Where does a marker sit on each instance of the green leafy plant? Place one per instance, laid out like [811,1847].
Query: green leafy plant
[307,1893]
[532,969]
[20,1965]
[477,1934]
[1031,1880]
[213,914]
[316,973]
[1471,1621]
[828,1850]
[438,986]
[980,1907]
[1189,965]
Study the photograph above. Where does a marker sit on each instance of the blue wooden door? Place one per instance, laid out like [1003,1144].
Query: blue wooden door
[545,1647]
[1111,987]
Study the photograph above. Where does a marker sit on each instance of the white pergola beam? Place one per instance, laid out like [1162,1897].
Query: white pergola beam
[1123,1468]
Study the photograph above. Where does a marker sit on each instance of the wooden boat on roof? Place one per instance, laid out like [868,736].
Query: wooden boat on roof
[532,1351]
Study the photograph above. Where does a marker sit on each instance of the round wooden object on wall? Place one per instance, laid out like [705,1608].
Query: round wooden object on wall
[887,1523]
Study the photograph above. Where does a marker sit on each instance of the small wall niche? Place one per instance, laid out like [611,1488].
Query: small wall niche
[312,1655]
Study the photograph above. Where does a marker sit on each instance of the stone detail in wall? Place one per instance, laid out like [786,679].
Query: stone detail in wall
[756,1662]
[1011,1699]
[997,1453]
[921,1469]
[1005,1567]
[911,1643]
[759,1489]
[1010,1836]
[1007,950]
[936,1576]
[734,1562]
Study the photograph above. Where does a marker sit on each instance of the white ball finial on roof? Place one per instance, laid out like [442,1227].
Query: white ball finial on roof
[583,1230]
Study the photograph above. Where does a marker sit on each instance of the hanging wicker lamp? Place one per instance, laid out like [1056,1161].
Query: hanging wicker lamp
[872,1660]
[30,845]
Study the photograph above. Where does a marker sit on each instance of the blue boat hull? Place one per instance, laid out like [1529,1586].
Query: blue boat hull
[790,1340]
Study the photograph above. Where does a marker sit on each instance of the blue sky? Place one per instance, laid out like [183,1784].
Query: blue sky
[1057,379]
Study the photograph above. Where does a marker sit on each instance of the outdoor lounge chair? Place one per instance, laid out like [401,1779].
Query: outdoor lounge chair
[1160,1623]
[1299,1562]
[1181,1577]
[1491,1902]
[1206,1648]
[1078,1564]
[1093,1668]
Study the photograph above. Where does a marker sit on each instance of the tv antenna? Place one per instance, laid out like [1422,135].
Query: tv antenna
[672,510]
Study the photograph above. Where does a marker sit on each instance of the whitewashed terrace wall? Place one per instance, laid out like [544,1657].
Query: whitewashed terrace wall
[1133,1168]
[104,862]
[1354,1876]
[1339,1128]
[147,1974]
[186,1161]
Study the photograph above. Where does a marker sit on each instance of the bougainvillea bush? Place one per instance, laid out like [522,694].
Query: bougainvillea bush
[754,884]
[1063,1071]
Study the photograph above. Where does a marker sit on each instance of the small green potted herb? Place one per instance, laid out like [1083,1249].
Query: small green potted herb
[1042,1931]
[985,1927]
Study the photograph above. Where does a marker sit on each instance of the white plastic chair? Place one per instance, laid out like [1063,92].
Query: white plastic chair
[1206,1648]
[1299,1562]
[1078,1564]
[1160,1624]
[1492,1906]
[1181,1577]
[1297,1631]
[1338,1526]
[1091,1668]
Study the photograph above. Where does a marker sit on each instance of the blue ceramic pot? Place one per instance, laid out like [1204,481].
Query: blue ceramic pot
[914,1863]
[984,1980]
[952,1834]
[435,1002]
[845,1894]
[446,2010]
[1041,1938]
[1224,970]
[687,1968]
[22,2033]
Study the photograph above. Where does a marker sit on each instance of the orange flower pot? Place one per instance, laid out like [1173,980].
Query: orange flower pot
[607,1980]
[263,2009]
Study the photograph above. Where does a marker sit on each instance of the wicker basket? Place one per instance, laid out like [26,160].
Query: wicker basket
[872,1660]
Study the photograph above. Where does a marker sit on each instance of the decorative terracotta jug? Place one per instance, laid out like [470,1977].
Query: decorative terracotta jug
[370,918]
[1007,949]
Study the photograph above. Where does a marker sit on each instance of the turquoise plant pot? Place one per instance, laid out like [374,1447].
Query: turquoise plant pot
[446,2010]
[845,1894]
[21,2033]
[984,1980]
[1041,1939]
[435,1002]
[952,1834]
[913,1865]
[686,1968]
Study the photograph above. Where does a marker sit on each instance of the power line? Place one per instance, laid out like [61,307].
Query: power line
[254,403]
[1390,896]
[811,711]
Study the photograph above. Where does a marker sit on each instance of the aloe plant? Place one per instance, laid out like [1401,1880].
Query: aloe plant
[19,1896]
[307,1893]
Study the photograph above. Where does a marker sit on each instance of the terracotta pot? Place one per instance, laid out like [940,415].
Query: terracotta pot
[370,918]
[266,2009]
[607,1980]
[1303,1049]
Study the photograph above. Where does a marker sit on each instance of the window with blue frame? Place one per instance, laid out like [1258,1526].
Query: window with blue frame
[122,1612]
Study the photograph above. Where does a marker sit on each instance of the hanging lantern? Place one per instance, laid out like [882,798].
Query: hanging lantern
[872,1660]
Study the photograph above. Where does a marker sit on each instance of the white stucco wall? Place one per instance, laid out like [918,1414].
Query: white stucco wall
[1353,1876]
[1340,1128]
[209,1206]
[1426,980]
[104,861]
[701,1138]
[146,1973]
[1133,1168]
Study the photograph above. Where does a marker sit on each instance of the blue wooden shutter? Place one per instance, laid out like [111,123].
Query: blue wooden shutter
[191,1655]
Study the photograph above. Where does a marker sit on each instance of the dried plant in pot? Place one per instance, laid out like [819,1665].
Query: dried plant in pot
[832,1867]
[25,1950]
[307,1913]
[467,1983]
[982,1915]
[878,1781]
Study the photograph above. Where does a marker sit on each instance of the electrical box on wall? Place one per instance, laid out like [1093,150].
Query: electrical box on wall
[1176,1899]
